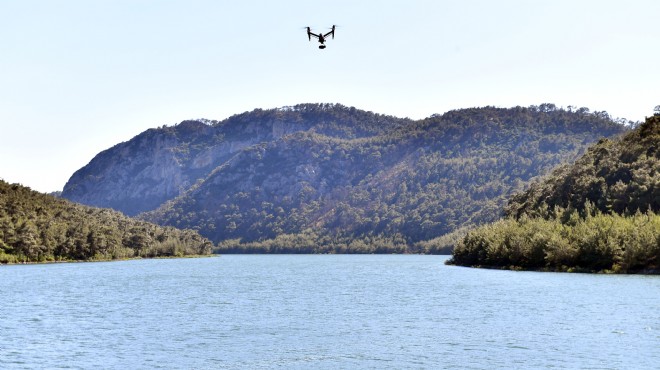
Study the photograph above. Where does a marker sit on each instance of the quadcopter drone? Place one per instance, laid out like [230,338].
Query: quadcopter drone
[321,37]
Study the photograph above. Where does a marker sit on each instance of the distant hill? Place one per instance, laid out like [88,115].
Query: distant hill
[160,164]
[598,214]
[329,178]
[36,227]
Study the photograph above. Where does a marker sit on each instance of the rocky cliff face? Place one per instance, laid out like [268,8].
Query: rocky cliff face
[144,172]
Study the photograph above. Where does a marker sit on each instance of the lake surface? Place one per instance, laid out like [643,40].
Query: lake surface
[323,311]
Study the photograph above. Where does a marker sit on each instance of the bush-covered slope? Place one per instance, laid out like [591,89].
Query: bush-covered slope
[615,176]
[36,227]
[599,214]
[381,193]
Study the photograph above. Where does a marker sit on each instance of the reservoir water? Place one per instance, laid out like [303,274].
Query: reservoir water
[322,311]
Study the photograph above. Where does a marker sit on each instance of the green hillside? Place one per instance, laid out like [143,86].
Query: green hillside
[598,214]
[36,227]
[398,190]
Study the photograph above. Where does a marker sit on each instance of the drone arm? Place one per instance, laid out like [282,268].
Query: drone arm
[332,32]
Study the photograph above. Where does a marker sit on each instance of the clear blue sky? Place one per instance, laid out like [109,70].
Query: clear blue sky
[79,76]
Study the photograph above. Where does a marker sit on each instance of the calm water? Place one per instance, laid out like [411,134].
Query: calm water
[323,311]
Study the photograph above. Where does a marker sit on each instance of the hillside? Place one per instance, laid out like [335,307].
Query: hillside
[159,164]
[615,176]
[36,227]
[598,214]
[392,188]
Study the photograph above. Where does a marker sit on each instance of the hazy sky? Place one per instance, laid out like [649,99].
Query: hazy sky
[79,76]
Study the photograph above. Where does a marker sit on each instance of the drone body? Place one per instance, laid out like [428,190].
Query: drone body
[321,37]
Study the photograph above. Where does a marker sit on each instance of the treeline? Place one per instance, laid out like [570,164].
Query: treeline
[36,227]
[334,120]
[599,214]
[310,242]
[402,189]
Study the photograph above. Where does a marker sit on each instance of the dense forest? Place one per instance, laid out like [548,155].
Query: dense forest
[413,186]
[599,214]
[36,227]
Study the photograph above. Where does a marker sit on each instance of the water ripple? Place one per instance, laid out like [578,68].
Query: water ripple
[322,312]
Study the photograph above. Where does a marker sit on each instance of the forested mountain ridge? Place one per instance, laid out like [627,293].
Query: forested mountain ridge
[159,164]
[599,214]
[315,191]
[37,227]
[614,176]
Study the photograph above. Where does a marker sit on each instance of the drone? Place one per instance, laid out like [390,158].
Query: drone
[321,37]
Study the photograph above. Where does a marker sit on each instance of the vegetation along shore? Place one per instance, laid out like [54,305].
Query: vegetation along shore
[599,214]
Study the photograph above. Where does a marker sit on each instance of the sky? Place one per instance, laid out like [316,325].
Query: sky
[80,76]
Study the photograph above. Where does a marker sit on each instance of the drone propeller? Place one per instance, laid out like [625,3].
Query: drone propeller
[316,28]
[309,30]
[332,30]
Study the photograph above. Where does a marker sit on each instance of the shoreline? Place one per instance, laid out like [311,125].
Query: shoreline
[108,260]
[562,269]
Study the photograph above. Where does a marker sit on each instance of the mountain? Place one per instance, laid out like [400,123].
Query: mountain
[159,164]
[36,227]
[598,214]
[329,178]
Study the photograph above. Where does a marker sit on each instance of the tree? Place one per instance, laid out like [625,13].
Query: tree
[39,227]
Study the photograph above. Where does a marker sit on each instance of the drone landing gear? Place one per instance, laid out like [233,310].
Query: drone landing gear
[321,46]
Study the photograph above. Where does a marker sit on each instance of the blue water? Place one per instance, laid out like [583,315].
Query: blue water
[323,311]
